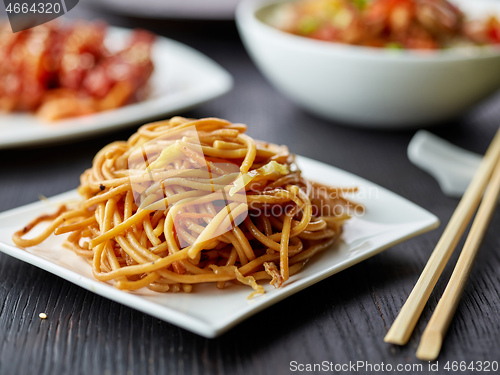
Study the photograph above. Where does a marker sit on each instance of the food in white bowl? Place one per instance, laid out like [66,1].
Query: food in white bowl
[395,24]
[371,86]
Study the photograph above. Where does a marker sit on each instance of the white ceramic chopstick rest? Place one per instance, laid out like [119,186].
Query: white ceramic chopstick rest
[452,166]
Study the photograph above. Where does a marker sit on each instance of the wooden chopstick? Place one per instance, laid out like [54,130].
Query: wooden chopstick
[432,338]
[403,326]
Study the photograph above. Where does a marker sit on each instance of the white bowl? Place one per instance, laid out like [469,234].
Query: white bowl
[371,87]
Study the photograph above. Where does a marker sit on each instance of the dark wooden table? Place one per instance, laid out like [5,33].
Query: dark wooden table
[340,320]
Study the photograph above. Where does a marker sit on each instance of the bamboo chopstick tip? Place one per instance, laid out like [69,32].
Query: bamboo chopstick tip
[395,338]
[430,346]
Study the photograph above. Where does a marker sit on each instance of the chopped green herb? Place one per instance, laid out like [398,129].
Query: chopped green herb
[360,4]
[394,45]
[308,25]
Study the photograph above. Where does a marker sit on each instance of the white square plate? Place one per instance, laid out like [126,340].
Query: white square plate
[182,79]
[208,311]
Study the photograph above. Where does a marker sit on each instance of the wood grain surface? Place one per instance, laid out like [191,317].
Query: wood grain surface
[340,320]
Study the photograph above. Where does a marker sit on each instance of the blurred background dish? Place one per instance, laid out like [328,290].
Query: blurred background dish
[182,79]
[371,87]
[184,9]
[76,73]
[394,24]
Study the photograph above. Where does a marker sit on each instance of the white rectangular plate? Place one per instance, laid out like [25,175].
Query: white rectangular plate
[182,79]
[208,311]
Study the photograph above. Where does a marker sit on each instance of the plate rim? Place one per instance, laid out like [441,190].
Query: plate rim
[227,14]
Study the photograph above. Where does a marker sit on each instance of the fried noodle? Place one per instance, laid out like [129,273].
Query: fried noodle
[279,222]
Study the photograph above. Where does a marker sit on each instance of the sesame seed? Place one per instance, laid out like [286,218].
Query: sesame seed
[42,316]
